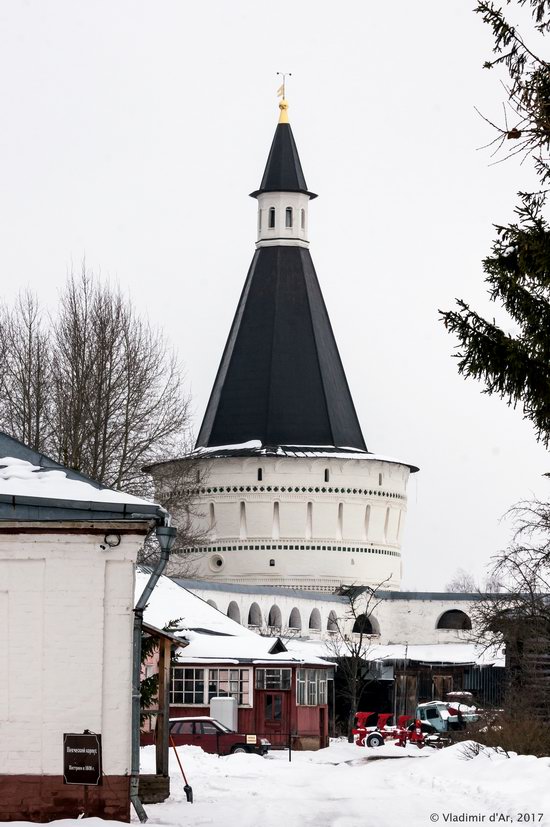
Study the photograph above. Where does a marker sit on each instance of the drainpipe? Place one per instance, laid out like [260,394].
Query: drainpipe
[166,536]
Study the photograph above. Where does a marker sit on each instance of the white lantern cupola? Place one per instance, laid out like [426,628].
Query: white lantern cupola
[283,197]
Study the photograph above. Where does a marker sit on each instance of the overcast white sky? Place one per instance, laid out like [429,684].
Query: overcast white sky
[131,133]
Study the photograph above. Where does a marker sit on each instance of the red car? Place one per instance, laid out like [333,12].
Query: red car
[212,736]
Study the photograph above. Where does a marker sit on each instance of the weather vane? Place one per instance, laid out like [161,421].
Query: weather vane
[281,89]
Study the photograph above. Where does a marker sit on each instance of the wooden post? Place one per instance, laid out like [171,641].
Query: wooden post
[163,715]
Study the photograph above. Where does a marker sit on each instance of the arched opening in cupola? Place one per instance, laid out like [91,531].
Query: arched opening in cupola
[271,218]
[288,217]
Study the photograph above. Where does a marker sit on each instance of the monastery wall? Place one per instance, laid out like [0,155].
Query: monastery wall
[396,617]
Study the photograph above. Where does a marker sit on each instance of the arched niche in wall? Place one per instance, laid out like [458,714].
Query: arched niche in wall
[254,615]
[454,619]
[275,618]
[295,620]
[212,603]
[234,612]
[315,620]
[332,622]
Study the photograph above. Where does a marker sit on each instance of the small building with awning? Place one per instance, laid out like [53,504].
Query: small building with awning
[282,695]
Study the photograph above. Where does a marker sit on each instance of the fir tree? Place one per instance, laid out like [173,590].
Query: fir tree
[516,366]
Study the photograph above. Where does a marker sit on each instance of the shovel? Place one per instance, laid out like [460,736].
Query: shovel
[187,789]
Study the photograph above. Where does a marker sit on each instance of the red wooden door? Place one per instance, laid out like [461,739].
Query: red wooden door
[274,722]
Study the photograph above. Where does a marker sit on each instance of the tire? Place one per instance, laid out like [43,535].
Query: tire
[238,749]
[374,739]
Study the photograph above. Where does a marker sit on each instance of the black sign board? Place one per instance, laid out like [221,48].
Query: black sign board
[81,758]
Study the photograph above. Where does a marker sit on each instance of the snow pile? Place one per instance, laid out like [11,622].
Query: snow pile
[21,478]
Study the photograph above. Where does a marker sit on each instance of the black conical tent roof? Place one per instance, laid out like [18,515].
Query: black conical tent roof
[283,171]
[281,380]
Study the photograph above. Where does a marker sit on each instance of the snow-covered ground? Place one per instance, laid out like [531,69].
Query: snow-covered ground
[348,786]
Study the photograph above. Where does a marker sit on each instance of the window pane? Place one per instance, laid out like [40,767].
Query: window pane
[209,729]
[288,217]
[277,707]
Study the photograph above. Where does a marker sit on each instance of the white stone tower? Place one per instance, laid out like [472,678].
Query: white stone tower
[291,496]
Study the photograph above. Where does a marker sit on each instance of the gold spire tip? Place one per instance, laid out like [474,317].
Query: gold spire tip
[283,106]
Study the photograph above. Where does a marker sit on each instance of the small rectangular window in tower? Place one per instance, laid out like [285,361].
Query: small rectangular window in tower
[259,221]
[271,222]
[326,475]
[379,479]
[303,219]
[260,475]
[288,217]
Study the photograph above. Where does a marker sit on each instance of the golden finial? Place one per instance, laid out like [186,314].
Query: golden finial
[283,105]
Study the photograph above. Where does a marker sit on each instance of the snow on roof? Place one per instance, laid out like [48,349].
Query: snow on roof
[323,451]
[172,602]
[255,648]
[18,477]
[240,446]
[212,636]
[440,653]
[421,653]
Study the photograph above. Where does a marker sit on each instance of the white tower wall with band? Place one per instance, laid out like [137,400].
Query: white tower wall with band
[311,523]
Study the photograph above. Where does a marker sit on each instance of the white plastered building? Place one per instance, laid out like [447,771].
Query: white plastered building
[68,548]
